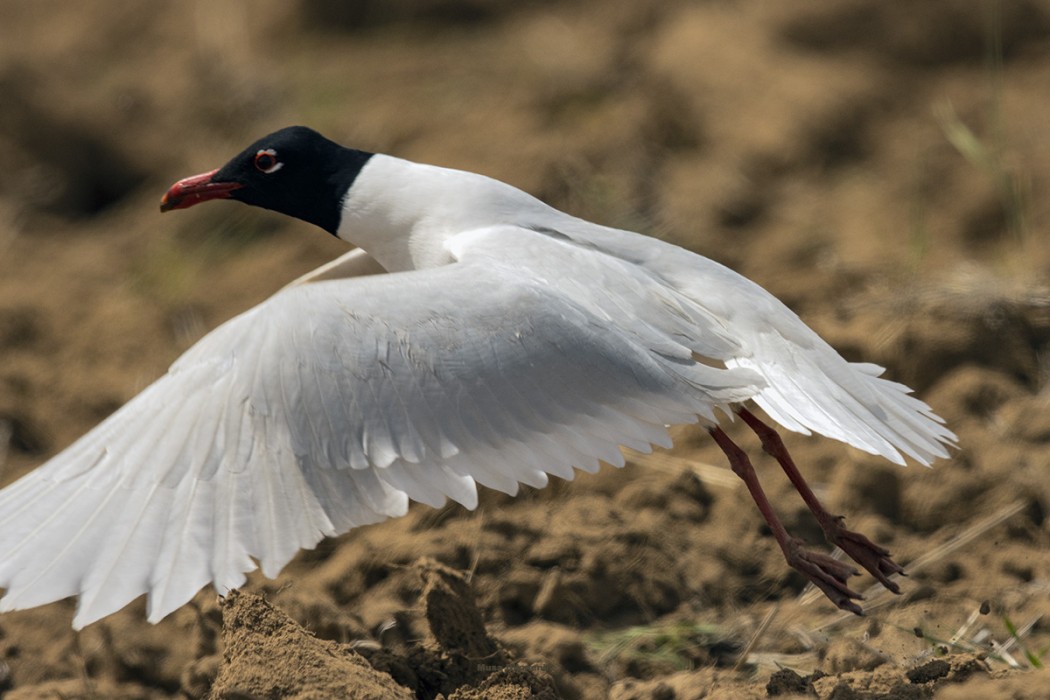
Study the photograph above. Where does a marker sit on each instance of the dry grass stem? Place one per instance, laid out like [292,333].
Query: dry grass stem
[745,654]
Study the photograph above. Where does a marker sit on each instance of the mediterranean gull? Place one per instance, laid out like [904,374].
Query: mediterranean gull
[475,336]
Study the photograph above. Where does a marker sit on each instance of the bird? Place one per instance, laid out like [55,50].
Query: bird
[471,335]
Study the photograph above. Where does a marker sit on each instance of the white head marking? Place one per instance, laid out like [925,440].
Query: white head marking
[266,161]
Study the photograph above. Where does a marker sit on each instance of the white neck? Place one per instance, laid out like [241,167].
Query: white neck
[402,213]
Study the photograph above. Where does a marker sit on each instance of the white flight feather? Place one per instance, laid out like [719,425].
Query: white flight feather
[549,343]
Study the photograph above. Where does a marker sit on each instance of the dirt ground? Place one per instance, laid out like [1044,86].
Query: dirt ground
[881,169]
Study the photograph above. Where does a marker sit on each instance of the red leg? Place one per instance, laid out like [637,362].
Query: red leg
[826,573]
[871,556]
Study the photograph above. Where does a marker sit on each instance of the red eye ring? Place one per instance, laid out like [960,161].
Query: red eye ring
[266,161]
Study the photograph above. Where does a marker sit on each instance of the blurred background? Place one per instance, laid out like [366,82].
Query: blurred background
[880,169]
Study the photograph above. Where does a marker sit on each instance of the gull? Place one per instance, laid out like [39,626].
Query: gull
[474,335]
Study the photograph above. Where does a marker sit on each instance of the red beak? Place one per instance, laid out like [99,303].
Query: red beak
[194,190]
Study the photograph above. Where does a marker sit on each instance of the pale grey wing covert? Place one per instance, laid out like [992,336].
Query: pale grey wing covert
[329,406]
[806,385]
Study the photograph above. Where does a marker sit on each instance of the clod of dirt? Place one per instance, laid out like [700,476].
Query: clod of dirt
[511,683]
[267,655]
[965,667]
[843,691]
[461,652]
[929,671]
[787,682]
[452,613]
[459,659]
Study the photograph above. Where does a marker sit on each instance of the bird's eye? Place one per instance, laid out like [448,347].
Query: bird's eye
[266,161]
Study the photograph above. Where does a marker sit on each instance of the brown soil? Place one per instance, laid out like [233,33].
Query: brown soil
[882,172]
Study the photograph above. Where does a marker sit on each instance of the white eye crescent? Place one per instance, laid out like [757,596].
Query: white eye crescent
[266,161]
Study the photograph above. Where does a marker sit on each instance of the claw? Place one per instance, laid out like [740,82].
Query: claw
[826,573]
[875,559]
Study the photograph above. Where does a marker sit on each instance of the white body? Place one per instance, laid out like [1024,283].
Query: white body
[509,342]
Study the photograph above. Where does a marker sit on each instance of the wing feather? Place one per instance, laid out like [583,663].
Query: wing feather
[332,405]
[804,385]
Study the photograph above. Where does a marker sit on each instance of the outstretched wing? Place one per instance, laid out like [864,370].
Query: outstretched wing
[331,405]
[807,385]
